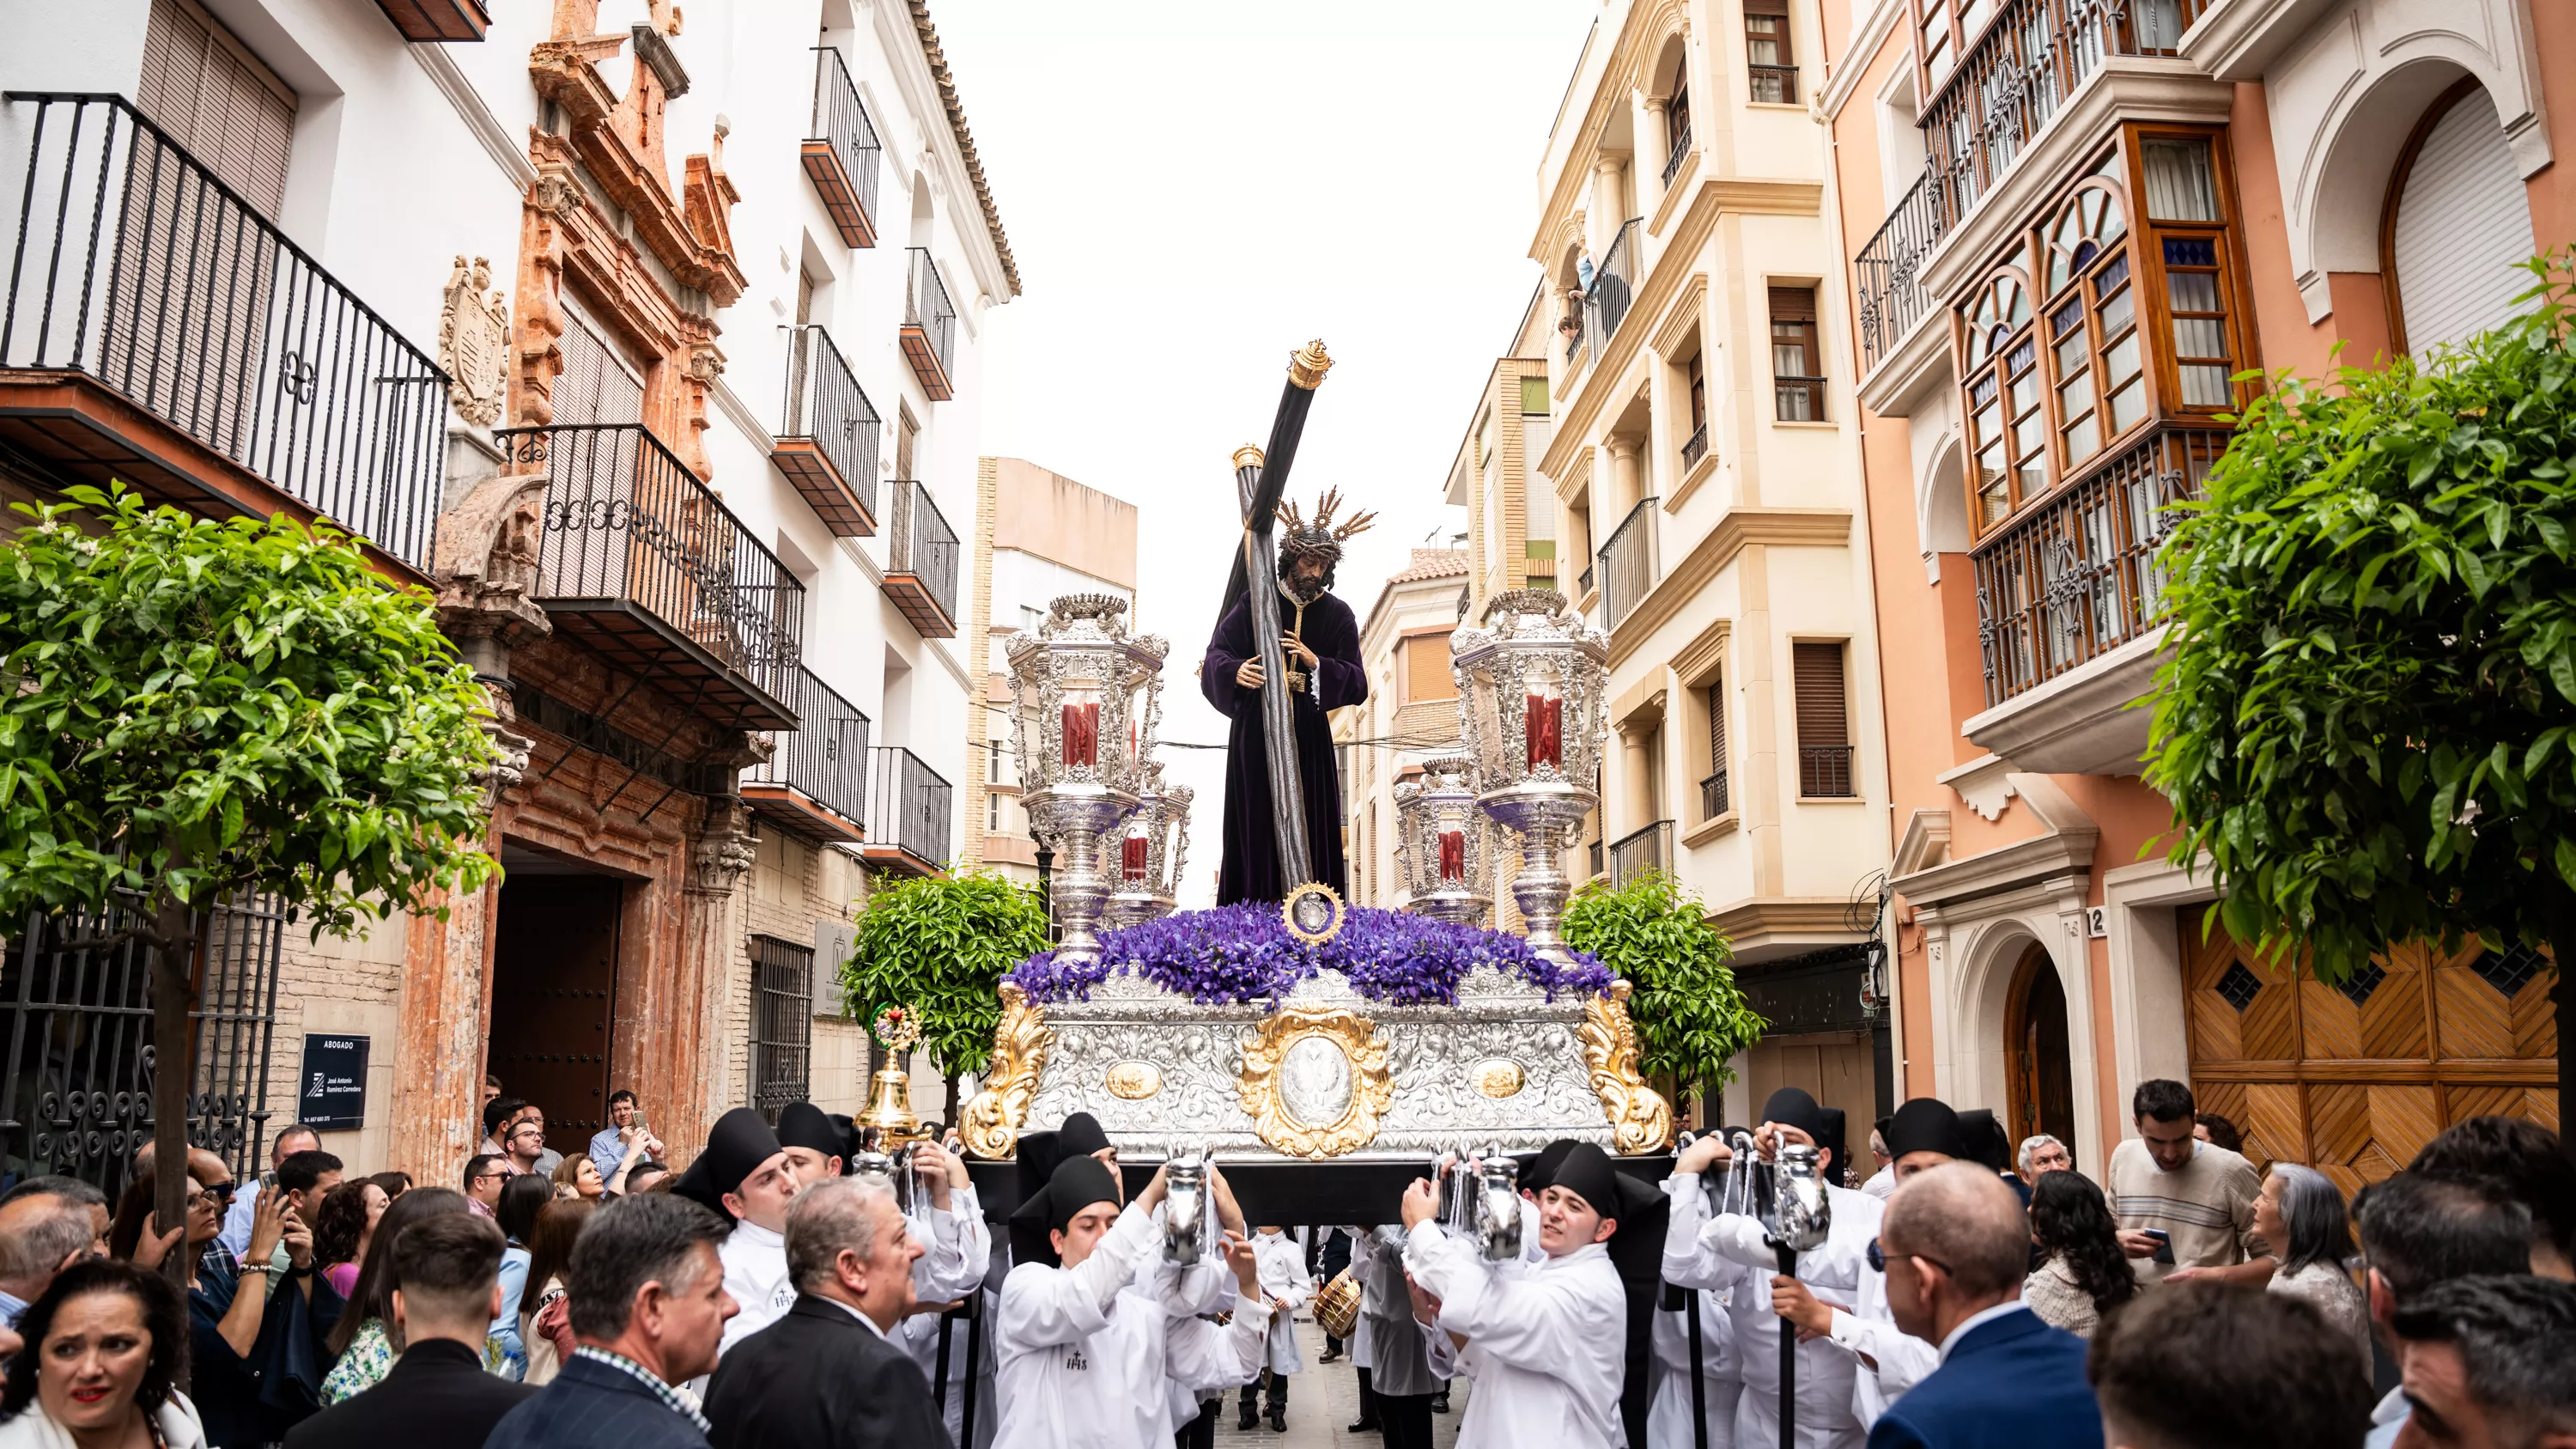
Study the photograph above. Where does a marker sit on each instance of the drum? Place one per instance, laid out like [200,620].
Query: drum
[1338,1306]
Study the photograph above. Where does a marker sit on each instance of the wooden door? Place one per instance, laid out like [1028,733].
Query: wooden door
[554,984]
[2353,1079]
[2040,1094]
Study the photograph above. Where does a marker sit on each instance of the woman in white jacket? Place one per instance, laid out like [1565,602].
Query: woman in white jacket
[102,1348]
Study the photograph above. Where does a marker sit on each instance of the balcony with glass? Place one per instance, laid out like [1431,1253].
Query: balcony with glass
[815,782]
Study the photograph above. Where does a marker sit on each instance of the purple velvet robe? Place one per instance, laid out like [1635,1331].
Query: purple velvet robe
[1251,862]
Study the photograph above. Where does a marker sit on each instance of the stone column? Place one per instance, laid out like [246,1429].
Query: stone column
[1636,775]
[1654,147]
[719,857]
[1609,203]
[1623,483]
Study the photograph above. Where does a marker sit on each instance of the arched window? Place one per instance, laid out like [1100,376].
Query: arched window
[2092,332]
[2007,432]
[2459,221]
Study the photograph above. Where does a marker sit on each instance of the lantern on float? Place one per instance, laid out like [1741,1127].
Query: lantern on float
[1530,710]
[1445,843]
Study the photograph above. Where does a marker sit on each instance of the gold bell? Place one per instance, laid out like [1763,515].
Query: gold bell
[890,1108]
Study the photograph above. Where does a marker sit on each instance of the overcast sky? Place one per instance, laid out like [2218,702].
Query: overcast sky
[1192,191]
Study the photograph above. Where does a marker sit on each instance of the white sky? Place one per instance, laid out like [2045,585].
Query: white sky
[1192,191]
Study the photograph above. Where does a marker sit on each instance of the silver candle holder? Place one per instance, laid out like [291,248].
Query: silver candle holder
[1445,844]
[1152,844]
[1530,709]
[1085,700]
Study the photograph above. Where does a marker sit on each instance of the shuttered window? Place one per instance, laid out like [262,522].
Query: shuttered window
[2463,220]
[1824,724]
[597,386]
[217,101]
[1426,670]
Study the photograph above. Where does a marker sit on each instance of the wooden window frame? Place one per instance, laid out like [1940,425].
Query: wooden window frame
[1787,63]
[1695,376]
[2012,271]
[2084,290]
[1841,648]
[1810,340]
[2234,277]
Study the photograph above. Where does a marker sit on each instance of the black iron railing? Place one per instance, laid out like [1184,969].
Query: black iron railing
[2026,64]
[1713,800]
[2075,575]
[911,806]
[1825,772]
[842,150]
[1681,148]
[136,267]
[826,404]
[1798,399]
[825,758]
[627,523]
[1890,270]
[1695,447]
[1640,851]
[782,1024]
[923,545]
[1614,286]
[1583,581]
[1592,858]
[77,1097]
[927,307]
[1628,564]
[1772,84]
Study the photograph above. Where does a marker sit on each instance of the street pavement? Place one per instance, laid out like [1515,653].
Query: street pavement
[1323,1401]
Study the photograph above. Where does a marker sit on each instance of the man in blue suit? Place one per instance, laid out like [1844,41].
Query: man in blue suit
[649,1307]
[1956,1245]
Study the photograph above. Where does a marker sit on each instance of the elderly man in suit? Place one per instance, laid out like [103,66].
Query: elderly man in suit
[648,1308]
[1956,1246]
[447,1291]
[823,1375]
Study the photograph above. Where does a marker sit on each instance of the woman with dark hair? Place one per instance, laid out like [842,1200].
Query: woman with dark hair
[364,1339]
[549,1267]
[395,1184]
[578,1177]
[105,1347]
[522,1198]
[2085,1275]
[2301,1217]
[2217,1131]
[341,1228]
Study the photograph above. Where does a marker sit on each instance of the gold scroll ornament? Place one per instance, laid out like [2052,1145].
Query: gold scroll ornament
[1640,1119]
[1259,1089]
[991,1129]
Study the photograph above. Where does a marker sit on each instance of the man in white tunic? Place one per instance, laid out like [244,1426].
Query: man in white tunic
[1286,1287]
[1701,1251]
[1547,1346]
[745,1175]
[947,1220]
[1086,1357]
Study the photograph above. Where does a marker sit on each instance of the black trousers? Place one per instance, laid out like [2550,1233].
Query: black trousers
[1278,1390]
[1368,1402]
[1405,1420]
[1200,1433]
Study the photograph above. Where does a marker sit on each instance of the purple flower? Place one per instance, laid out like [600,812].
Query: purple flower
[1243,953]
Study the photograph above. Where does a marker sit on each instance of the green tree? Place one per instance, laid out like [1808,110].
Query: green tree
[2364,729]
[191,709]
[1690,1017]
[940,947]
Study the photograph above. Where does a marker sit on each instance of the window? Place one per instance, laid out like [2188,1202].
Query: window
[1484,439]
[217,102]
[2191,243]
[1714,799]
[1677,119]
[906,433]
[2462,220]
[1797,361]
[1695,446]
[2006,435]
[1426,669]
[1534,397]
[2087,269]
[1824,724]
[1771,70]
[1946,29]
[782,1024]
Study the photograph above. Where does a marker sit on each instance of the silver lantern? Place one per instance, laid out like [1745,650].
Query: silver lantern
[1530,709]
[1445,844]
[1150,844]
[1084,697]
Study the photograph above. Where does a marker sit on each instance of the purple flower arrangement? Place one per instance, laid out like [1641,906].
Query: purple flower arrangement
[1241,953]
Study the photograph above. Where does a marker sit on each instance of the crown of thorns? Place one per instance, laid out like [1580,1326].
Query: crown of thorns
[1322,536]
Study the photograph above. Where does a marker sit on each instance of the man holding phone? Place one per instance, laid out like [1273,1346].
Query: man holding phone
[2185,1207]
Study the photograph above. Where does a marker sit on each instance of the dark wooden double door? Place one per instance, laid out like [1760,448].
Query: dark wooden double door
[554,996]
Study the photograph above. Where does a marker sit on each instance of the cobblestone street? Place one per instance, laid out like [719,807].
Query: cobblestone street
[1324,1400]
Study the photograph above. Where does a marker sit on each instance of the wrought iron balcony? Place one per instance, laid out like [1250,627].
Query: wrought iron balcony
[1713,800]
[1640,851]
[908,824]
[645,566]
[841,153]
[2020,71]
[1890,270]
[1614,286]
[1629,569]
[1695,447]
[827,441]
[930,328]
[921,562]
[1592,858]
[1825,772]
[1681,148]
[158,329]
[816,784]
[2075,575]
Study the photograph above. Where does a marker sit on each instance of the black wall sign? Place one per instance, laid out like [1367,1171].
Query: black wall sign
[333,1096]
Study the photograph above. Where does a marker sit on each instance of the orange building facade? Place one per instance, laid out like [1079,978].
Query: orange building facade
[2067,225]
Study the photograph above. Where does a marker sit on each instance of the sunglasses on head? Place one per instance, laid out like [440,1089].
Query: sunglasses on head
[217,1194]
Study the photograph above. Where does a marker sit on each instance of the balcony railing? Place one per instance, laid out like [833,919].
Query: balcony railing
[841,151]
[1775,85]
[1890,270]
[908,826]
[1695,447]
[1825,772]
[1638,852]
[1628,565]
[1592,858]
[921,562]
[930,328]
[644,565]
[816,783]
[1713,800]
[138,269]
[827,440]
[1681,148]
[1614,287]
[2075,576]
[2030,60]
[1583,582]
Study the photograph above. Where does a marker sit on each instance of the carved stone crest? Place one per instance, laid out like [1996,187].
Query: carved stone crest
[473,343]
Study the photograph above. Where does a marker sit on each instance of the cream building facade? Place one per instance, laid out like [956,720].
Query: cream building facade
[1411,714]
[1704,459]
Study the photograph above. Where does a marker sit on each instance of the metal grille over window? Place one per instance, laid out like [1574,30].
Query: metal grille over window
[1824,723]
[2362,982]
[2509,970]
[782,1024]
[1797,359]
[2239,986]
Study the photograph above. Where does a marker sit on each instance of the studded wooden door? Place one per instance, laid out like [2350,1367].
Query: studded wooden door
[2353,1079]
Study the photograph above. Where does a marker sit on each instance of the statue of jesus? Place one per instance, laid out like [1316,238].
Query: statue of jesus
[1321,642]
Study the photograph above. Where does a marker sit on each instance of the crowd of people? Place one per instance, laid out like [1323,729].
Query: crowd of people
[788,1290]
